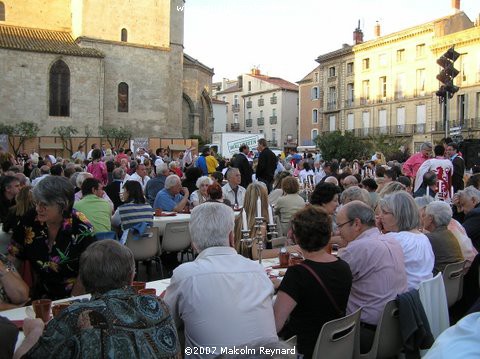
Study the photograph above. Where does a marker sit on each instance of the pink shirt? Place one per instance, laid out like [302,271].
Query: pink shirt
[378,270]
[411,166]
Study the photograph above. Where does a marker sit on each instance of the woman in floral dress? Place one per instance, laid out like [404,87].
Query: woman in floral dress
[52,239]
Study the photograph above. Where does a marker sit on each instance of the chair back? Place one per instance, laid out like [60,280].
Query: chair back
[453,280]
[434,301]
[176,237]
[279,227]
[145,247]
[339,338]
[387,342]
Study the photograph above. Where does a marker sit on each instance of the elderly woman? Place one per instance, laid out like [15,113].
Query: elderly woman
[175,169]
[355,193]
[134,210]
[468,201]
[399,218]
[53,240]
[300,297]
[115,312]
[289,203]
[444,244]
[200,195]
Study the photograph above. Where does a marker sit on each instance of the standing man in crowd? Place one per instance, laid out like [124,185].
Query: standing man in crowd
[411,166]
[241,162]
[458,167]
[267,163]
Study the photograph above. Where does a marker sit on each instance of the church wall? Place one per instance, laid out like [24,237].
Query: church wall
[24,92]
[42,14]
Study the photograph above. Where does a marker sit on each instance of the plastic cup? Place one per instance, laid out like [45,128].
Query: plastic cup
[295,258]
[42,307]
[138,285]
[283,258]
[57,308]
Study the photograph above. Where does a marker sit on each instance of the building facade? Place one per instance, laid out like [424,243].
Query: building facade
[61,66]
[388,85]
[263,104]
[310,107]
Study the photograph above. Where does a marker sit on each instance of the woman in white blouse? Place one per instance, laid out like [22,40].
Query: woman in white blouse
[200,195]
[399,219]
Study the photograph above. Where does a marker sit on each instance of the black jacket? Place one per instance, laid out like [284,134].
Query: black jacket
[241,162]
[472,226]
[458,171]
[267,164]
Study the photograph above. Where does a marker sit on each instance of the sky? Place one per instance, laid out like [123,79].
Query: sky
[284,37]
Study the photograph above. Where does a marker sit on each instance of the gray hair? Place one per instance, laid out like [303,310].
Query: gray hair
[210,225]
[426,145]
[332,179]
[172,181]
[231,171]
[118,173]
[55,190]
[106,265]
[44,170]
[403,208]
[423,201]
[82,176]
[173,164]
[355,193]
[391,187]
[202,180]
[441,213]
[470,192]
[162,168]
[360,210]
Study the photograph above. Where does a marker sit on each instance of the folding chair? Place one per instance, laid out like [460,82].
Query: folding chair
[338,338]
[176,238]
[434,301]
[146,248]
[453,280]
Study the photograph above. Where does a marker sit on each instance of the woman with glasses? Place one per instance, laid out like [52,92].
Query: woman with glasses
[53,239]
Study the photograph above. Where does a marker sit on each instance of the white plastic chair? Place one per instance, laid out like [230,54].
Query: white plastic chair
[453,280]
[176,238]
[434,300]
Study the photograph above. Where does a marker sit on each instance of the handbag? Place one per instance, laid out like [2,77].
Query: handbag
[340,312]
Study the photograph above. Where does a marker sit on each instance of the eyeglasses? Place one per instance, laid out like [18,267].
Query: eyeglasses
[344,223]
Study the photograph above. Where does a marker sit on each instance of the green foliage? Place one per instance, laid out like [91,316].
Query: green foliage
[393,148]
[23,130]
[66,133]
[335,145]
[116,136]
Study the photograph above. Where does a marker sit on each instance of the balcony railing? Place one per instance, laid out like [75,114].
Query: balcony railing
[273,120]
[260,121]
[465,124]
[235,107]
[396,130]
[419,127]
[261,102]
[273,100]
[349,103]
[364,101]
[332,105]
[249,104]
[234,127]
[248,122]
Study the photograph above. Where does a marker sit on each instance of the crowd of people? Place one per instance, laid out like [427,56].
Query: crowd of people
[395,225]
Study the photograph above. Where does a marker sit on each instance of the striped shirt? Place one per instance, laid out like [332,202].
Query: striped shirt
[133,213]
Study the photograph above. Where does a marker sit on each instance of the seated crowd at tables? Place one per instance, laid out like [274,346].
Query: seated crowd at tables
[66,220]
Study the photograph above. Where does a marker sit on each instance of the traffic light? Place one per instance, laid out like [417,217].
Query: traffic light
[447,74]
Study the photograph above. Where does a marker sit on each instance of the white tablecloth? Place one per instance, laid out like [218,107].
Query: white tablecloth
[160,222]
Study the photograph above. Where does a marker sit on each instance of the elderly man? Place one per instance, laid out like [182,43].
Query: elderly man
[222,298]
[170,198]
[94,207]
[114,322]
[411,166]
[445,246]
[377,266]
[468,201]
[140,176]
[157,183]
[232,190]
[350,181]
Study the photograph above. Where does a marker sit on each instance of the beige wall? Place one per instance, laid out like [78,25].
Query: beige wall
[306,106]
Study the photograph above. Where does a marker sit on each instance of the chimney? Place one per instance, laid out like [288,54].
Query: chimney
[455,6]
[376,29]
[357,35]
[240,81]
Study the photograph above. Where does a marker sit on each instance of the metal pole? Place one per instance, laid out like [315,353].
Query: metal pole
[445,114]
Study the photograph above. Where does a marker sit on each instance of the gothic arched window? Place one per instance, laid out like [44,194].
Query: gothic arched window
[59,89]
[122,97]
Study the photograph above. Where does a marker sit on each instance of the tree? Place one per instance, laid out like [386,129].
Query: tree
[116,137]
[335,145]
[23,130]
[393,148]
[66,133]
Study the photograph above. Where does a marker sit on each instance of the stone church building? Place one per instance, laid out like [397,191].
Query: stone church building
[102,63]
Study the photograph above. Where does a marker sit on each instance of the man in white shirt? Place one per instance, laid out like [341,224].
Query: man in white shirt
[443,168]
[140,176]
[222,298]
[232,190]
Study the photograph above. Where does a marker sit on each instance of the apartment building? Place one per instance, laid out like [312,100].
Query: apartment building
[310,107]
[388,85]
